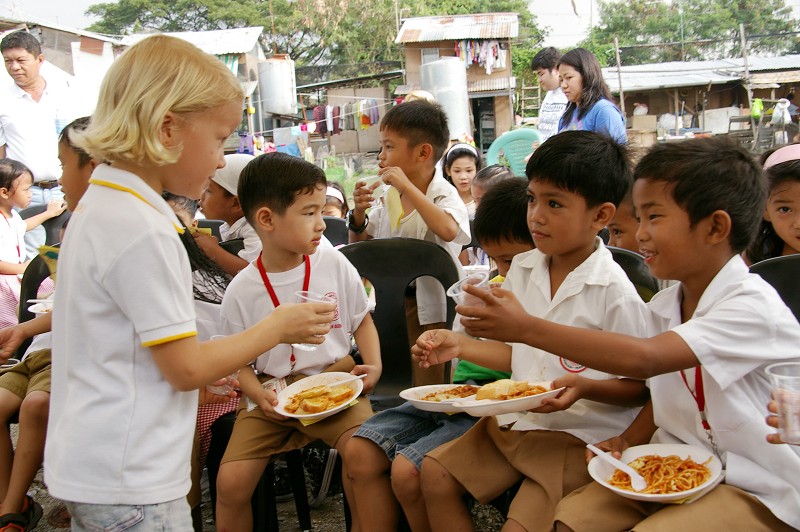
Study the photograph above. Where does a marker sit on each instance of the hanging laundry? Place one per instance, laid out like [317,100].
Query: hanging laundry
[335,119]
[319,120]
[329,118]
[489,54]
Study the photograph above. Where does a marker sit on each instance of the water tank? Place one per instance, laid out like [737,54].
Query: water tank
[446,79]
[277,85]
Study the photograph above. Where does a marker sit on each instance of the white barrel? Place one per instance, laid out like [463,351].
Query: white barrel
[277,85]
[446,79]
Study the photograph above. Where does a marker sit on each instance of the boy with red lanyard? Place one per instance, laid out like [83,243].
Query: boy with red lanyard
[283,197]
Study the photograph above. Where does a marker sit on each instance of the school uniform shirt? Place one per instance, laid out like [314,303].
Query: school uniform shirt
[247,302]
[595,295]
[550,112]
[118,432]
[603,117]
[242,229]
[430,294]
[740,326]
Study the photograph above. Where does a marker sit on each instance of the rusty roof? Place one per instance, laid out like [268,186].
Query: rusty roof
[459,27]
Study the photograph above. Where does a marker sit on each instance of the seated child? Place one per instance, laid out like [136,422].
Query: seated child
[487,178]
[395,440]
[220,201]
[335,202]
[623,226]
[413,138]
[461,163]
[282,198]
[778,234]
[575,181]
[709,339]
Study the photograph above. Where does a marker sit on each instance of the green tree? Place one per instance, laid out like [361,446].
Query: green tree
[653,31]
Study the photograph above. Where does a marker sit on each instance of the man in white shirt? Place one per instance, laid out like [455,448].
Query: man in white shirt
[545,64]
[32,113]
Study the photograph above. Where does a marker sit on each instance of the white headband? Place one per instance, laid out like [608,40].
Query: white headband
[335,194]
[463,146]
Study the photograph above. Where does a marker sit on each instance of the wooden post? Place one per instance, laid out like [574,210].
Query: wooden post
[619,78]
[677,114]
[747,83]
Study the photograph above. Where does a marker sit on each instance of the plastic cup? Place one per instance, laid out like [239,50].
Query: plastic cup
[478,280]
[785,378]
[311,297]
[223,389]
[378,191]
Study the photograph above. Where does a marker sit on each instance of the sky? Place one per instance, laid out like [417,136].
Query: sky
[566,29]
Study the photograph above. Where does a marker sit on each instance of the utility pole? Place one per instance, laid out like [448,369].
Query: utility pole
[747,81]
[619,77]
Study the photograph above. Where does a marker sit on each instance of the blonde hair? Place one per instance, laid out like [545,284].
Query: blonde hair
[158,75]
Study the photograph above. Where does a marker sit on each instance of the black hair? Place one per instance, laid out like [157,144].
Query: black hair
[419,122]
[456,152]
[10,170]
[546,58]
[182,202]
[767,243]
[502,213]
[709,175]
[593,87]
[21,39]
[583,162]
[274,180]
[79,124]
[487,177]
[334,200]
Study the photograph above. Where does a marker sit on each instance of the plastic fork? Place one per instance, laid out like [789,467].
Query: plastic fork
[638,482]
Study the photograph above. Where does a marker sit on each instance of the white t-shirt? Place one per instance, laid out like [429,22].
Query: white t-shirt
[12,238]
[30,129]
[595,295]
[740,326]
[118,432]
[550,112]
[242,229]
[247,302]
[430,293]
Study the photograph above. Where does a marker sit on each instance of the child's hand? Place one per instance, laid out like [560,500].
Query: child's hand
[207,397]
[10,339]
[436,346]
[207,243]
[55,207]
[267,402]
[502,318]
[373,373]
[773,421]
[306,323]
[566,398]
[615,445]
[395,177]
[363,196]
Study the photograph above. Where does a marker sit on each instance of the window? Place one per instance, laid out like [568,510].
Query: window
[429,54]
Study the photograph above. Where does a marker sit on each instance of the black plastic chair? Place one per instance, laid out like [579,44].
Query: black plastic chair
[336,230]
[474,242]
[782,273]
[637,271]
[214,225]
[36,272]
[52,227]
[391,264]
[233,246]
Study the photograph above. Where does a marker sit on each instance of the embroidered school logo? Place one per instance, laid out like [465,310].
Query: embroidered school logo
[571,366]
[333,296]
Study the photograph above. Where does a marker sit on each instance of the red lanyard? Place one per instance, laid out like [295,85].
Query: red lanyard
[274,297]
[16,237]
[698,394]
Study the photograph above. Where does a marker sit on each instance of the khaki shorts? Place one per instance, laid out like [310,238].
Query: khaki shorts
[488,460]
[255,436]
[30,375]
[594,508]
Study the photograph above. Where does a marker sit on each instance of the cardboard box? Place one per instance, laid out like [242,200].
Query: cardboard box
[645,122]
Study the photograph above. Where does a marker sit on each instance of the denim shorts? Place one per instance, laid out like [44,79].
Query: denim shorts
[168,516]
[412,432]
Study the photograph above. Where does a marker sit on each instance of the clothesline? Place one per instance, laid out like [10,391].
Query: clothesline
[329,96]
[317,122]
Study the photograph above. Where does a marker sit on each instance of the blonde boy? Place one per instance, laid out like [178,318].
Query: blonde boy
[282,198]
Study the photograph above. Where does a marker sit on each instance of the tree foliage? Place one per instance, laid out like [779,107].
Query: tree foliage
[672,30]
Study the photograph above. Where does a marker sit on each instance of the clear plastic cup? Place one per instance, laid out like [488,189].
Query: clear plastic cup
[478,280]
[227,388]
[785,378]
[311,297]
[377,192]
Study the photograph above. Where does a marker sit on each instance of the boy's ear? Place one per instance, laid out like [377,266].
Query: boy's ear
[169,130]
[424,151]
[264,218]
[719,227]
[604,214]
[4,193]
[236,205]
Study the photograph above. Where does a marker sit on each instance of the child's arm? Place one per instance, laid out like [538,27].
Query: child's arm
[230,263]
[366,336]
[638,433]
[640,358]
[440,345]
[12,268]
[12,337]
[440,222]
[265,398]
[619,392]
[54,208]
[188,364]
[362,200]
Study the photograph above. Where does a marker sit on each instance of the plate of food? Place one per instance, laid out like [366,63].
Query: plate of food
[675,473]
[438,397]
[42,307]
[318,396]
[506,397]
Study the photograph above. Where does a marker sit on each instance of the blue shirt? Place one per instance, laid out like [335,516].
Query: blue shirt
[603,117]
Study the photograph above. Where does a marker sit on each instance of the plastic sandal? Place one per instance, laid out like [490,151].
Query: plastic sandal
[13,523]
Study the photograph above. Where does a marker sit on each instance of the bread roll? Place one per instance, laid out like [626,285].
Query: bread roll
[501,389]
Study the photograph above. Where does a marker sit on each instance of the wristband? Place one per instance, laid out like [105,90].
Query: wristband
[352,227]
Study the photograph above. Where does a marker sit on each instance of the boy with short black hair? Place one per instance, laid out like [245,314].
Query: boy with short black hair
[575,180]
[421,204]
[708,342]
[545,65]
[283,197]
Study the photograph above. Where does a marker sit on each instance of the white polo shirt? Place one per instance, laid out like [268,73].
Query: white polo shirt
[242,229]
[247,302]
[595,295]
[740,326]
[430,293]
[30,129]
[118,432]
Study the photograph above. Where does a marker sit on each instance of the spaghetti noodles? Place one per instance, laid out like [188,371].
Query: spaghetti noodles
[664,474]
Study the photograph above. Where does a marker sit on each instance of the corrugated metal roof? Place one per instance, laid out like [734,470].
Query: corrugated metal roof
[458,27]
[689,73]
[483,85]
[215,42]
